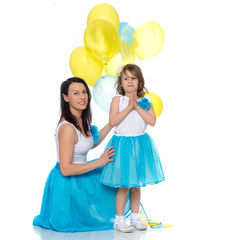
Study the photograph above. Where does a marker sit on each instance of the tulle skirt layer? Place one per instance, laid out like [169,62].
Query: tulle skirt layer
[77,203]
[137,162]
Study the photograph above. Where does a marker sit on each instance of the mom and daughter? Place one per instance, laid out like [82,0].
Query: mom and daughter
[81,195]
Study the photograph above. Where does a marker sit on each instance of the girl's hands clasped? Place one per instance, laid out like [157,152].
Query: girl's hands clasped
[105,157]
[132,100]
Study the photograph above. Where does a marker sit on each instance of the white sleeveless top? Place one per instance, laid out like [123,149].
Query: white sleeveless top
[81,148]
[133,124]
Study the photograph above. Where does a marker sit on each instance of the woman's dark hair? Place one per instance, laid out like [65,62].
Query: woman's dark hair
[137,72]
[65,109]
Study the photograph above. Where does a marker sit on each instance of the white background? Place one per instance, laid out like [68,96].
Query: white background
[196,74]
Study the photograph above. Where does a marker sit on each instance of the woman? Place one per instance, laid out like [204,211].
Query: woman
[74,199]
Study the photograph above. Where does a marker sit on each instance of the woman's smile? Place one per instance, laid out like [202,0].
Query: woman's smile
[82,103]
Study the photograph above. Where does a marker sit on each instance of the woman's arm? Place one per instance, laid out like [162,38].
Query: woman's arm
[148,116]
[115,117]
[67,137]
[103,133]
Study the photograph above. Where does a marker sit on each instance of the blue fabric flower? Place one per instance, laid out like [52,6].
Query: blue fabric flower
[144,103]
[95,133]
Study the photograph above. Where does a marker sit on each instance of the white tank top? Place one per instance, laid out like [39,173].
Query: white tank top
[81,148]
[133,124]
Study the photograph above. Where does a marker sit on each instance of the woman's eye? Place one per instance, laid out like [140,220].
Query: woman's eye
[75,93]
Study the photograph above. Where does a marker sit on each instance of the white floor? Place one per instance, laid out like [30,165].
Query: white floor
[44,234]
[204,232]
[187,229]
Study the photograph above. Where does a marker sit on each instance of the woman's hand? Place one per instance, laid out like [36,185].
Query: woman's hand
[105,157]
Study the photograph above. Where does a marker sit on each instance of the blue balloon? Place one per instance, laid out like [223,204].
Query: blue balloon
[104,91]
[125,32]
[121,27]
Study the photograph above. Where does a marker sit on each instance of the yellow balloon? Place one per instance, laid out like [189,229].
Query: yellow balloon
[85,66]
[159,38]
[147,40]
[104,11]
[123,56]
[101,39]
[157,103]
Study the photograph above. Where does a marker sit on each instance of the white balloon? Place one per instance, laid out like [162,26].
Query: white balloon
[104,90]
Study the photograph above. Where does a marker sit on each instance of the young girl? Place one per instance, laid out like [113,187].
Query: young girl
[137,161]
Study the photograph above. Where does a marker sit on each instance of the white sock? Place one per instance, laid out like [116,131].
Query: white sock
[135,216]
[120,218]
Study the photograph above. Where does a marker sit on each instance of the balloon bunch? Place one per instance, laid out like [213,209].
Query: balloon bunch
[109,44]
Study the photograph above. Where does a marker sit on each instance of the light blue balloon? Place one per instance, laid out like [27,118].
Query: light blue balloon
[125,32]
[104,91]
[121,27]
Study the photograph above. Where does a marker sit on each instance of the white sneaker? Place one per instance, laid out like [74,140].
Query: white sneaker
[122,226]
[138,224]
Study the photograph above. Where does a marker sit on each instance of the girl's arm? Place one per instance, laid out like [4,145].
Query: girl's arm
[148,116]
[67,137]
[103,133]
[115,117]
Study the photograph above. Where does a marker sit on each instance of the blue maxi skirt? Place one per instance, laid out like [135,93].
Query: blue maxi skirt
[77,203]
[137,162]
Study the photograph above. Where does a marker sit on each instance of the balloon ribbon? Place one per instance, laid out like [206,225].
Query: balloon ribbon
[149,222]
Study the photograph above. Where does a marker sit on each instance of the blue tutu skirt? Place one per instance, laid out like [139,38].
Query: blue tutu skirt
[77,203]
[137,162]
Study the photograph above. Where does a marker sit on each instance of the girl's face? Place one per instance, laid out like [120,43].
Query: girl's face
[77,96]
[129,82]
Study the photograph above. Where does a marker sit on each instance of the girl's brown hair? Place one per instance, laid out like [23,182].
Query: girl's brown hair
[137,72]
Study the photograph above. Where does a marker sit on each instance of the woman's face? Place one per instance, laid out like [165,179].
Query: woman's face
[77,96]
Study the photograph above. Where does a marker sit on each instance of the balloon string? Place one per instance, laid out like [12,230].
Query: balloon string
[105,69]
[151,223]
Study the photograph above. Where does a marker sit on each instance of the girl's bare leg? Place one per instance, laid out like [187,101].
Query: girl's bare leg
[119,222]
[135,199]
[121,200]
[135,195]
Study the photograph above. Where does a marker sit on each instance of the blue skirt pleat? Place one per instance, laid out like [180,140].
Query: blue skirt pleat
[137,162]
[77,203]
